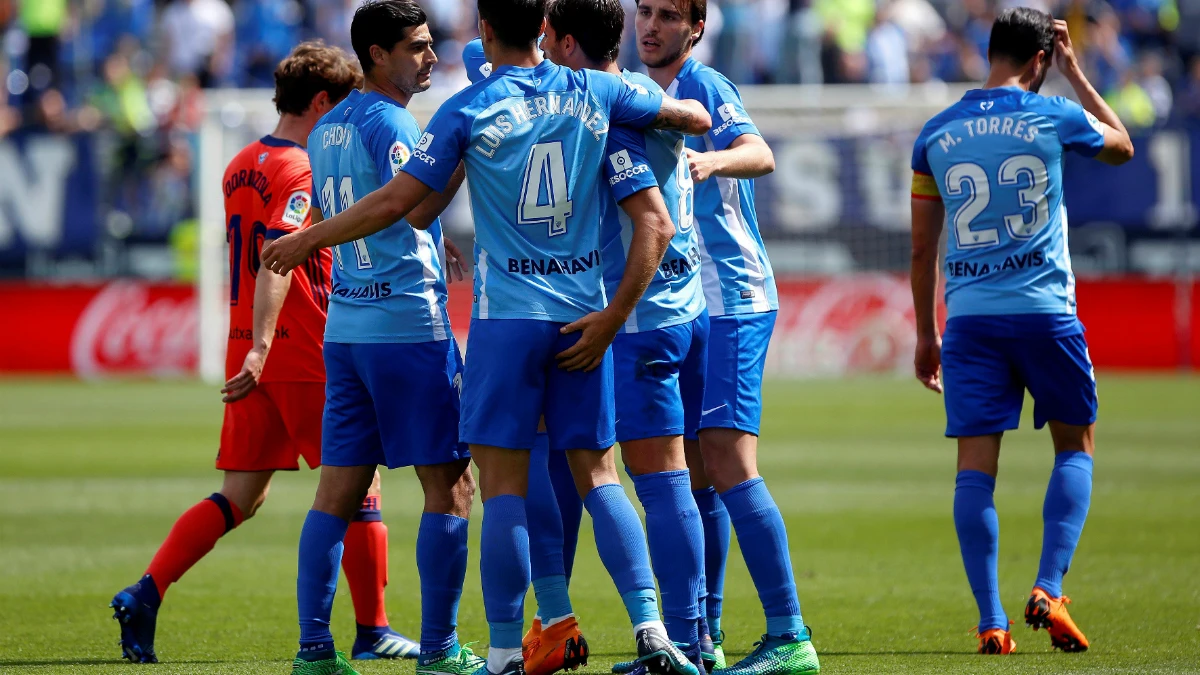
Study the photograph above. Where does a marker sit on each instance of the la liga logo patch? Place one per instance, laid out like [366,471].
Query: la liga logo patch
[297,208]
[398,154]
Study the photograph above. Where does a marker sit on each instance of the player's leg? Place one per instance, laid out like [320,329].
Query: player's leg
[729,428]
[1060,377]
[570,507]
[254,441]
[449,489]
[715,518]
[350,451]
[503,390]
[983,399]
[581,419]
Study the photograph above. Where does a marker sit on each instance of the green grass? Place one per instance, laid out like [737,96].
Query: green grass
[93,475]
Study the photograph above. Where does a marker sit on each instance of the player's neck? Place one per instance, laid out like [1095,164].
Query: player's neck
[665,75]
[294,128]
[607,67]
[1004,77]
[517,58]
[384,87]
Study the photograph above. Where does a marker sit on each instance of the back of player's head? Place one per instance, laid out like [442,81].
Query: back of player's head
[1019,34]
[382,23]
[596,25]
[311,68]
[516,23]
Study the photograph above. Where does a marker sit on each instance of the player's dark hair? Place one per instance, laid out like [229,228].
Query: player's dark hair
[383,23]
[313,67]
[517,23]
[1020,33]
[597,25]
[695,11]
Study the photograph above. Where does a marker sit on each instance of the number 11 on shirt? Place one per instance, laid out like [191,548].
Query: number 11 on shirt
[345,200]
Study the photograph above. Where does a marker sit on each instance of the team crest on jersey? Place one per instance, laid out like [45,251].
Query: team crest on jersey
[263,157]
[986,105]
[398,154]
[486,70]
[297,208]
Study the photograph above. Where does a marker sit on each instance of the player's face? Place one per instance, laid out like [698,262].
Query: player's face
[411,61]
[664,34]
[557,50]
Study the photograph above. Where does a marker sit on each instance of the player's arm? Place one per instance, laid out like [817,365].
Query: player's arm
[652,232]
[928,216]
[1118,147]
[373,213]
[270,292]
[748,156]
[687,116]
[429,210]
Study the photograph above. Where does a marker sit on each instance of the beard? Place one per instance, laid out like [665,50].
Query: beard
[666,60]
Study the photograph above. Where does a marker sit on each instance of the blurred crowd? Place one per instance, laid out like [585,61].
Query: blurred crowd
[138,68]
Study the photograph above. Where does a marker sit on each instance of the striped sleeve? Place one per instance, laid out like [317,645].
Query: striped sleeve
[925,187]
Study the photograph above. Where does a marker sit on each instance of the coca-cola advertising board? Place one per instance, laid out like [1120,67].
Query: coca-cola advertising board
[826,327]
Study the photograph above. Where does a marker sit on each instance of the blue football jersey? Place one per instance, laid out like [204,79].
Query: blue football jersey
[533,140]
[475,61]
[390,286]
[736,273]
[997,159]
[639,160]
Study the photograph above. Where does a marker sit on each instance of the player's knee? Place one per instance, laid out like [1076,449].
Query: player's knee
[376,488]
[449,488]
[653,455]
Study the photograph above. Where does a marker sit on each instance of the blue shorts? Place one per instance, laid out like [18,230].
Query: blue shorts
[986,378]
[660,377]
[394,404]
[737,356]
[512,379]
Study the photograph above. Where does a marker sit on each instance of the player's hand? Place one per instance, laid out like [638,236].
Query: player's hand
[1064,51]
[240,385]
[286,253]
[702,164]
[928,363]
[455,262]
[599,329]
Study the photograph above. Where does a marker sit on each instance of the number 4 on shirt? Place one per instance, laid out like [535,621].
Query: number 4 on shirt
[545,174]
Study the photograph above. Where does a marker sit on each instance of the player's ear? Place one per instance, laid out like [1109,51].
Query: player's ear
[698,31]
[321,103]
[378,55]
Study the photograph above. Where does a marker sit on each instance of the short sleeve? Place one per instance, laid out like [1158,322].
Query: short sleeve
[924,186]
[920,156]
[441,147]
[722,100]
[292,211]
[391,142]
[629,104]
[627,168]
[1078,130]
[475,61]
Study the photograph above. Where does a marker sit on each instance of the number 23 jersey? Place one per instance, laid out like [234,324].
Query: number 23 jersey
[995,159]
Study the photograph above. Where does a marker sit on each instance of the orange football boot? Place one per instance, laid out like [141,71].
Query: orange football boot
[553,648]
[1043,611]
[996,641]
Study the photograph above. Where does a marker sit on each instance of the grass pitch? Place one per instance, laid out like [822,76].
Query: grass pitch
[93,475]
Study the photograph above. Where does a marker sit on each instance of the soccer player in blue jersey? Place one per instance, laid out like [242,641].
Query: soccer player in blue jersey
[739,287]
[659,355]
[533,138]
[992,165]
[393,368]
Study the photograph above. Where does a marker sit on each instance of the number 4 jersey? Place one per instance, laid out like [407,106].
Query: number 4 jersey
[995,159]
[266,189]
[390,286]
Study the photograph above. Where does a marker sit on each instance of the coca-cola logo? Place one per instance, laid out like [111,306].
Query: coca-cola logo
[131,327]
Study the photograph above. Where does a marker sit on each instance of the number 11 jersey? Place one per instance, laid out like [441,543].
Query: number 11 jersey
[388,287]
[995,158]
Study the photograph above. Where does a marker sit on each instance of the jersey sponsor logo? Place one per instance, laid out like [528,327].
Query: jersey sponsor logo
[297,208]
[375,291]
[730,115]
[546,267]
[681,267]
[238,333]
[974,270]
[1094,122]
[398,154]
[421,152]
[624,167]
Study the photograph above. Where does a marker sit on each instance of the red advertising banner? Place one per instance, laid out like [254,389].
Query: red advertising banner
[826,326]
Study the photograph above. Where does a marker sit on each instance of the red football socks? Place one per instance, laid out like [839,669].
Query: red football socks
[364,561]
[191,538]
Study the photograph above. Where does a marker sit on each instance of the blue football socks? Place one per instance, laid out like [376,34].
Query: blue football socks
[716,552]
[763,538]
[676,537]
[621,543]
[1066,507]
[316,581]
[978,529]
[442,565]
[504,568]
[548,573]
[570,507]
